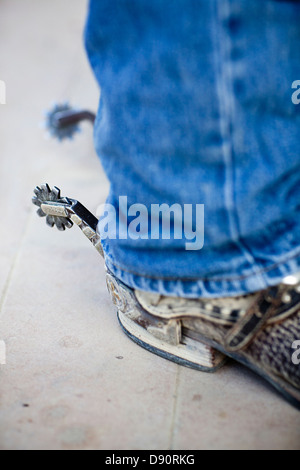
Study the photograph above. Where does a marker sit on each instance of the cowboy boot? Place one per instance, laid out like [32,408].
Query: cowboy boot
[260,330]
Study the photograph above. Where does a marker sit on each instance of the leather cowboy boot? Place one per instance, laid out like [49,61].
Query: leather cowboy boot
[260,330]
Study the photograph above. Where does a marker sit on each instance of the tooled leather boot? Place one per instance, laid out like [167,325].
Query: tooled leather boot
[260,330]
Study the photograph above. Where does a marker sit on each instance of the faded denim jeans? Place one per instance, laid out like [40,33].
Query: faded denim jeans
[196,108]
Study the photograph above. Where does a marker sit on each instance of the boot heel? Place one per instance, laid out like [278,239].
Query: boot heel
[162,336]
[166,339]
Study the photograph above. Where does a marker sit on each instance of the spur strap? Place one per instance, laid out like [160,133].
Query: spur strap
[271,306]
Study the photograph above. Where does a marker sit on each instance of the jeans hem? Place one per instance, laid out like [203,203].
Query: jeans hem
[209,287]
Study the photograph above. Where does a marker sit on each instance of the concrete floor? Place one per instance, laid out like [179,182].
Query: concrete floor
[72,379]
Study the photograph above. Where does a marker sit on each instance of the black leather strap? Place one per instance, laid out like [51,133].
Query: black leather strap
[264,307]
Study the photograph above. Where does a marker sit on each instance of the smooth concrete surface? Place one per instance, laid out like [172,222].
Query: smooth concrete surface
[72,379]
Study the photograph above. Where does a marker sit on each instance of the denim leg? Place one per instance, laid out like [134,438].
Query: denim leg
[196,108]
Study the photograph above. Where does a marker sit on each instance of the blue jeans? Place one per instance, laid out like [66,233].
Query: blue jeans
[196,108]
